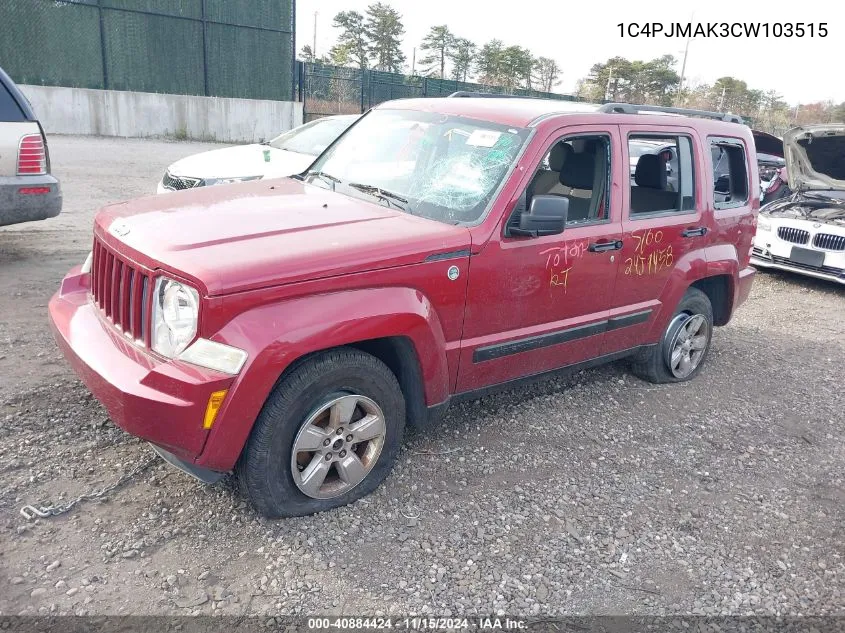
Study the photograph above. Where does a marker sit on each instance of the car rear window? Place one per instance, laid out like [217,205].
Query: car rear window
[10,111]
[730,173]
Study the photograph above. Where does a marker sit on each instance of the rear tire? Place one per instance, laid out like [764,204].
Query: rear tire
[682,349]
[327,407]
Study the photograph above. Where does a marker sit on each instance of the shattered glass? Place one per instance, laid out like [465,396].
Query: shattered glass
[447,167]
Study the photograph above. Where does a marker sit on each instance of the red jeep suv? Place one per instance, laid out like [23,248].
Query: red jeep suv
[287,330]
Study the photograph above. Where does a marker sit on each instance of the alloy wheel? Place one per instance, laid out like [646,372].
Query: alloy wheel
[337,446]
[688,344]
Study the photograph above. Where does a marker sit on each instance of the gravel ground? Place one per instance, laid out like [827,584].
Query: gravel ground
[595,494]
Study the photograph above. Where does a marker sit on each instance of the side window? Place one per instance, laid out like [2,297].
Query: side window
[662,174]
[730,174]
[9,109]
[577,168]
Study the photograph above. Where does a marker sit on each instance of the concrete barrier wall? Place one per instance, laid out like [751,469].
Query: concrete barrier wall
[144,114]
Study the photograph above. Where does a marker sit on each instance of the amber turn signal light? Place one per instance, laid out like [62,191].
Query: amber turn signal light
[215,401]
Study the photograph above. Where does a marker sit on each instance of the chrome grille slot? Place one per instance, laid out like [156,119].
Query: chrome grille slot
[793,235]
[829,242]
[119,289]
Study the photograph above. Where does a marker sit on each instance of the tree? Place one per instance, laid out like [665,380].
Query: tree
[547,73]
[339,55]
[352,42]
[516,64]
[384,31]
[438,44]
[488,62]
[619,79]
[462,57]
[307,54]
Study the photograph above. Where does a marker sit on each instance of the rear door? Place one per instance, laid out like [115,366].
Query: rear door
[664,231]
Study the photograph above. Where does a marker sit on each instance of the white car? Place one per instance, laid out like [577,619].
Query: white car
[805,232]
[287,154]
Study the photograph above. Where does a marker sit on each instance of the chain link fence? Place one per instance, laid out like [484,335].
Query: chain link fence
[329,90]
[221,48]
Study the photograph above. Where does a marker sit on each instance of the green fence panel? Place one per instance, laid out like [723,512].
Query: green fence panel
[181,8]
[226,48]
[51,43]
[249,63]
[265,14]
[151,53]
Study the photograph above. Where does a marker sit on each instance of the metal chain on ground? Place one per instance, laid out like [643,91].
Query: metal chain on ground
[30,512]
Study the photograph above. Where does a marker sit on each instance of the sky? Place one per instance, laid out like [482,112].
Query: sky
[580,34]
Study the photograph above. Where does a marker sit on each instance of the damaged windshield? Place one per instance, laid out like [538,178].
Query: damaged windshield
[442,167]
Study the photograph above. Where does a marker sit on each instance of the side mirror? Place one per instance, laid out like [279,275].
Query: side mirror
[547,216]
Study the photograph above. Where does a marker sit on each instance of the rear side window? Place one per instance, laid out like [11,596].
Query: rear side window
[9,109]
[662,174]
[730,173]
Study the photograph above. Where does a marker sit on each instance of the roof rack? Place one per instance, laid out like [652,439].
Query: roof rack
[627,108]
[468,93]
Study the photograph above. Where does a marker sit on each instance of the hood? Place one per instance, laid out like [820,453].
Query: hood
[241,161]
[766,143]
[243,236]
[815,157]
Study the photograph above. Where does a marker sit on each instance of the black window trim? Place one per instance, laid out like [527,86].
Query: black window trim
[576,135]
[736,142]
[663,212]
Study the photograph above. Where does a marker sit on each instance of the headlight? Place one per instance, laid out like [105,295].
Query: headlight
[228,181]
[175,313]
[763,224]
[86,265]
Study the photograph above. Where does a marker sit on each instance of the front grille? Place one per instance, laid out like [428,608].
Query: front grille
[177,183]
[121,291]
[796,236]
[830,270]
[829,242]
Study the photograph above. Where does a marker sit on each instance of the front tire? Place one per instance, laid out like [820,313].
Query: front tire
[329,434]
[680,354]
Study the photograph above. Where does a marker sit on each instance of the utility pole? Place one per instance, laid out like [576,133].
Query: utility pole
[607,87]
[722,99]
[314,43]
[413,61]
[683,72]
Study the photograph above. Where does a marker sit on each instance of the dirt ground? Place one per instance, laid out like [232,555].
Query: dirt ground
[595,494]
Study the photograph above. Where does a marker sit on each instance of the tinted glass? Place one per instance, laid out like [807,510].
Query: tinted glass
[662,178]
[9,109]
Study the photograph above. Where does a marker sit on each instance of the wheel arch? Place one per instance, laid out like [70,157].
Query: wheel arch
[399,326]
[719,290]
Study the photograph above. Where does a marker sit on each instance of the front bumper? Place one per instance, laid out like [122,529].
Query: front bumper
[29,198]
[769,251]
[160,401]
[759,259]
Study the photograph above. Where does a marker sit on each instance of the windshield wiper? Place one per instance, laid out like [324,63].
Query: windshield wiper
[383,194]
[326,177]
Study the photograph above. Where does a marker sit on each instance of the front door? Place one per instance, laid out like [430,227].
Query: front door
[536,304]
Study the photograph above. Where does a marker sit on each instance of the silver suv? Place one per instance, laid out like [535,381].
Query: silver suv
[27,189]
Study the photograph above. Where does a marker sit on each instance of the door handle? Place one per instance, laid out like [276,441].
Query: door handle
[696,232]
[600,247]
